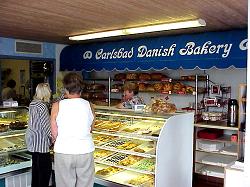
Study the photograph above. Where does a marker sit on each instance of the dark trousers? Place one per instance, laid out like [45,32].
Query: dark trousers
[41,169]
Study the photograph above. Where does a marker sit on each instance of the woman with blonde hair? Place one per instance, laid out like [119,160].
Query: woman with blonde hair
[38,136]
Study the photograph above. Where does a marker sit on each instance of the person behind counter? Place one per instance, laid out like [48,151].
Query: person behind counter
[38,136]
[9,92]
[71,125]
[130,96]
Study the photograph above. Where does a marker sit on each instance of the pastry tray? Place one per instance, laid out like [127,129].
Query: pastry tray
[146,147]
[103,139]
[123,144]
[100,157]
[117,170]
[142,128]
[115,158]
[145,164]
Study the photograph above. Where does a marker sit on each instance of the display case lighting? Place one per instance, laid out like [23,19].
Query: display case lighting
[144,29]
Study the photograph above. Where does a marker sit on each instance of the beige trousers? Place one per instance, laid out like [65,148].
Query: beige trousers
[74,170]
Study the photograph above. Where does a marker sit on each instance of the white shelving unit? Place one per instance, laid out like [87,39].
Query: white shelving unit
[210,160]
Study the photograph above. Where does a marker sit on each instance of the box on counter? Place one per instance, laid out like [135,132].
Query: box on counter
[210,133]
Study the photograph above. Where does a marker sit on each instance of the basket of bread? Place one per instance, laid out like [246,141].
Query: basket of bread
[161,106]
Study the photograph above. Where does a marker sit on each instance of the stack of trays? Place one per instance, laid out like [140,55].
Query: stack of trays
[210,146]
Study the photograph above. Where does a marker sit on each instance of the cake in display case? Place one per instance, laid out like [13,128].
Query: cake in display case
[143,149]
[13,155]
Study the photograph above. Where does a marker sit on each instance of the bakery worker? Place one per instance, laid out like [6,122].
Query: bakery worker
[130,96]
[9,92]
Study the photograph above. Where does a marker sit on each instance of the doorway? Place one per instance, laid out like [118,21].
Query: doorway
[26,74]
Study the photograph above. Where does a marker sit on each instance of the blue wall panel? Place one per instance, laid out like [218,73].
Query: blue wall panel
[7,48]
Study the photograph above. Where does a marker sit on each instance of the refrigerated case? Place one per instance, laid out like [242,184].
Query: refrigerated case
[143,149]
[13,156]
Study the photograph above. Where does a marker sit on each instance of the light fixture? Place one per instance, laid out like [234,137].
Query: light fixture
[145,29]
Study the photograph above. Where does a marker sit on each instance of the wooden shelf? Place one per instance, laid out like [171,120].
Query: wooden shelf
[216,125]
[224,138]
[217,152]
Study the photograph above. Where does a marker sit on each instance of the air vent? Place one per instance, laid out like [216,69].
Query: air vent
[28,47]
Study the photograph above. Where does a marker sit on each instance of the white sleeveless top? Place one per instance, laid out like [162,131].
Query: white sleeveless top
[74,122]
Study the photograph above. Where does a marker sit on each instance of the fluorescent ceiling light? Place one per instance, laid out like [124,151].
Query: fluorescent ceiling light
[145,29]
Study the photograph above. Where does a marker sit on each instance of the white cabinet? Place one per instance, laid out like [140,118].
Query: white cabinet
[212,155]
[142,149]
[235,176]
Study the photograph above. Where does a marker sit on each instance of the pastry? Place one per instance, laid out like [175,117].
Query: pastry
[130,160]
[141,179]
[86,95]
[117,86]
[101,153]
[167,87]
[158,86]
[142,86]
[96,87]
[3,128]
[160,106]
[17,125]
[157,76]
[108,171]
[131,76]
[150,88]
[139,150]
[144,76]
[120,76]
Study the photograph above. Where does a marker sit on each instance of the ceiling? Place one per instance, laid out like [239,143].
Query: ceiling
[55,20]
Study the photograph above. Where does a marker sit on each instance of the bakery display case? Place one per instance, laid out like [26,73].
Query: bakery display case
[13,156]
[143,149]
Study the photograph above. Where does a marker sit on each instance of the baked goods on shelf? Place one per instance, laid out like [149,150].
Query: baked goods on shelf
[120,76]
[144,76]
[131,76]
[95,86]
[86,95]
[17,125]
[100,139]
[178,87]
[3,128]
[146,164]
[110,126]
[130,160]
[5,161]
[108,171]
[99,153]
[137,181]
[192,77]
[142,86]
[98,95]
[119,87]
[147,147]
[116,158]
[150,88]
[167,87]
[157,76]
[130,129]
[127,146]
[158,87]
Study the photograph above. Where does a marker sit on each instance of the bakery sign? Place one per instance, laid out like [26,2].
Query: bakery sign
[215,49]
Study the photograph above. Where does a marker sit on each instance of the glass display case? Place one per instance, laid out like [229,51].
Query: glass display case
[13,156]
[143,149]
